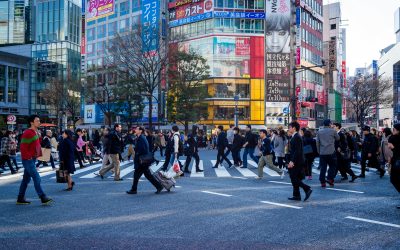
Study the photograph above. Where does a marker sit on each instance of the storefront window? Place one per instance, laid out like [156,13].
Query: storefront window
[228,112]
[2,82]
[229,90]
[12,84]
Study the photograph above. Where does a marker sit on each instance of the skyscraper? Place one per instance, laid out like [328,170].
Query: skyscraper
[12,22]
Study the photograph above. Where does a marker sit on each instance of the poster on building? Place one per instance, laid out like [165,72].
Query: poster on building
[100,8]
[242,46]
[277,45]
[189,10]
[150,24]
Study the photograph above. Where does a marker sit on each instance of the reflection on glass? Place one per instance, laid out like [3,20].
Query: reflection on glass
[223,113]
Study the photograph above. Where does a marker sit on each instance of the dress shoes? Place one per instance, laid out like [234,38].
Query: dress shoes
[131,192]
[308,194]
[199,171]
[158,190]
[353,178]
[294,198]
[330,182]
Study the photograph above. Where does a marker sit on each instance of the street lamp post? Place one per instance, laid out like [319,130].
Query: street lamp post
[236,99]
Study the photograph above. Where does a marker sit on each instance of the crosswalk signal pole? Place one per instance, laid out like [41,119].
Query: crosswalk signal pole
[236,99]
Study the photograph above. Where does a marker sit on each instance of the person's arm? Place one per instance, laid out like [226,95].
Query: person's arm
[176,144]
[318,143]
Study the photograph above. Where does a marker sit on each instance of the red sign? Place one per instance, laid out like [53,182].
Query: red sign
[344,74]
[303,123]
[242,46]
[193,9]
[344,109]
[321,97]
[83,45]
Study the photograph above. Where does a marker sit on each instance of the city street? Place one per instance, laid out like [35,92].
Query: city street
[222,209]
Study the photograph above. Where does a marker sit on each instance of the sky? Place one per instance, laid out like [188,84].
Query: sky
[370,28]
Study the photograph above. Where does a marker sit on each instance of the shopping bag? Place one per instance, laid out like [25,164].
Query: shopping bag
[45,155]
[176,167]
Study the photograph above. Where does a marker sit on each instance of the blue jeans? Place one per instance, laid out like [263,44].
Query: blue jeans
[252,156]
[30,172]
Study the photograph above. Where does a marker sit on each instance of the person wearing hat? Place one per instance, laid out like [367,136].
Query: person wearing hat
[326,138]
[370,148]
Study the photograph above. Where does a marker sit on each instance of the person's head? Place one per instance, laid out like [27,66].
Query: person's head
[236,130]
[231,126]
[8,133]
[337,126]
[106,131]
[387,132]
[366,130]
[396,129]
[175,129]
[67,134]
[263,133]
[327,123]
[33,121]
[79,131]
[139,130]
[49,133]
[373,131]
[277,33]
[220,128]
[282,132]
[248,128]
[294,127]
[118,127]
[148,132]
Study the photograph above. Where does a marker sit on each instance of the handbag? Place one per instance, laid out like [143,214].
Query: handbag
[345,154]
[307,149]
[176,167]
[46,152]
[146,159]
[61,174]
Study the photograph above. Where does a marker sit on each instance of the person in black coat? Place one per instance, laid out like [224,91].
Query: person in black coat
[141,149]
[370,148]
[237,145]
[67,156]
[309,156]
[296,163]
[222,143]
[193,150]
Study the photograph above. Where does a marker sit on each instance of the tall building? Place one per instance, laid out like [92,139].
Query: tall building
[56,48]
[335,53]
[230,35]
[12,21]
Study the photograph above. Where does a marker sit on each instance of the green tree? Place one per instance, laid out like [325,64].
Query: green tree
[187,91]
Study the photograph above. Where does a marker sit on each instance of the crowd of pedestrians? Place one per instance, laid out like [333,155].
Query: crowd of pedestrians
[293,151]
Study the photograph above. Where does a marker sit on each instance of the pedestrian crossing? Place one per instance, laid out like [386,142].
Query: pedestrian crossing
[127,169]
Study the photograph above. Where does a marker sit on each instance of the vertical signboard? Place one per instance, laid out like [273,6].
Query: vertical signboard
[100,8]
[277,51]
[150,24]
[298,36]
[344,74]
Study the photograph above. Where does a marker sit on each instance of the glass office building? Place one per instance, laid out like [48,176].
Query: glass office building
[56,51]
[12,21]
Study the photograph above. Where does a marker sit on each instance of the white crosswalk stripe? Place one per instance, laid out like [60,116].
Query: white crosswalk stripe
[246,172]
[86,169]
[220,171]
[193,171]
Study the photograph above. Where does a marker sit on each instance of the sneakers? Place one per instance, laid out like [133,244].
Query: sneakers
[22,201]
[323,185]
[330,182]
[45,200]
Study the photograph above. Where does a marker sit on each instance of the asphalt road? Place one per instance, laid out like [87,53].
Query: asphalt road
[214,211]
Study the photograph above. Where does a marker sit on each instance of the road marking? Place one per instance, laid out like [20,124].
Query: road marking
[281,205]
[237,177]
[266,169]
[344,190]
[194,173]
[208,192]
[373,221]
[125,171]
[246,172]
[178,186]
[280,182]
[91,175]
[220,171]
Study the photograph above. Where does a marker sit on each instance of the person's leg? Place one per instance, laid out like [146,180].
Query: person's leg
[116,165]
[53,166]
[78,156]
[228,151]
[166,163]
[245,153]
[363,165]
[234,157]
[225,158]
[261,164]
[33,173]
[136,176]
[10,165]
[187,162]
[161,151]
[332,162]
[322,166]
[38,164]
[295,182]
[280,162]
[395,179]
[107,167]
[252,156]
[218,159]
[24,183]
[197,158]
[272,166]
[14,160]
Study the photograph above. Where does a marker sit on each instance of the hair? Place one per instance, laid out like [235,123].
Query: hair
[68,133]
[236,129]
[278,22]
[148,131]
[141,128]
[32,118]
[231,125]
[116,125]
[338,124]
[263,131]
[397,126]
[387,131]
[79,130]
[248,126]
[175,128]
[295,125]
[282,133]
[220,127]
[195,129]
[307,134]
[107,128]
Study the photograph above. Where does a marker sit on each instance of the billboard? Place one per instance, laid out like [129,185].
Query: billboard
[236,14]
[100,8]
[192,9]
[150,19]
[277,51]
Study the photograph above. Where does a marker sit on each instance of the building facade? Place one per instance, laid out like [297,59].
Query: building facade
[13,21]
[56,50]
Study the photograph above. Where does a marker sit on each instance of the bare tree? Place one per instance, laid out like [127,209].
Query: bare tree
[367,93]
[142,57]
[187,92]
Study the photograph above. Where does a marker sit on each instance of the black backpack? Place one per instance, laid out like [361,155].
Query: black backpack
[180,147]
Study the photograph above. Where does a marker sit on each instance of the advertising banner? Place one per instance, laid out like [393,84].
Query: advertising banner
[242,46]
[344,74]
[150,24]
[100,8]
[188,10]
[277,51]
[230,14]
[191,19]
[90,114]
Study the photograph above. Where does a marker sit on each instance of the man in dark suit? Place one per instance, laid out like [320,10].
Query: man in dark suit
[222,143]
[296,164]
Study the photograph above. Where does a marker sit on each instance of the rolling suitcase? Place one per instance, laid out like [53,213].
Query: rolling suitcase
[165,181]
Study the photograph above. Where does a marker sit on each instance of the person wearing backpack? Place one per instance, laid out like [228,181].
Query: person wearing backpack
[266,156]
[176,146]
[250,145]
[222,143]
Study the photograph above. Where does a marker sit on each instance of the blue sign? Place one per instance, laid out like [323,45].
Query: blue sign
[229,14]
[150,24]
[298,17]
[286,110]
[191,19]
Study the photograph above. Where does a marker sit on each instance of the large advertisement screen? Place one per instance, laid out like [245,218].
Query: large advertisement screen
[150,24]
[277,51]
[100,8]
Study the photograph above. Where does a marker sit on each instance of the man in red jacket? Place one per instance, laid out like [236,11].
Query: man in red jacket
[30,150]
